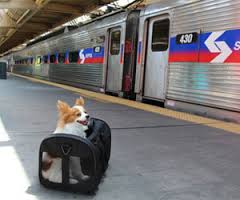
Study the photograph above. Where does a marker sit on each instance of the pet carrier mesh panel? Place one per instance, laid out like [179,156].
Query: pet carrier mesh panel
[69,162]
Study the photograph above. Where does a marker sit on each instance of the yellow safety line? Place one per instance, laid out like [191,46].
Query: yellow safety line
[227,126]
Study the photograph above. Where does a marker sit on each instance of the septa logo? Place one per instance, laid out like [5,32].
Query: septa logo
[220,47]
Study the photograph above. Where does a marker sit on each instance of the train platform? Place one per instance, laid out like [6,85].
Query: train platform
[157,154]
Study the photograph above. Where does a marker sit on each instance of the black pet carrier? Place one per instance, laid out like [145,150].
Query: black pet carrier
[67,151]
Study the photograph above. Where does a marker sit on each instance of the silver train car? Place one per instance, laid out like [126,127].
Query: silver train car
[93,56]
[189,56]
[184,53]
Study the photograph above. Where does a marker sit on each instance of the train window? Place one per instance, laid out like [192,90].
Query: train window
[39,60]
[73,56]
[45,59]
[61,57]
[160,35]
[115,42]
[52,58]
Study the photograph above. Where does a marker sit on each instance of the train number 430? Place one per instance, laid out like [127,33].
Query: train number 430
[187,38]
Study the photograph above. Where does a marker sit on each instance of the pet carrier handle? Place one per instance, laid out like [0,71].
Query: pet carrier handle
[66,149]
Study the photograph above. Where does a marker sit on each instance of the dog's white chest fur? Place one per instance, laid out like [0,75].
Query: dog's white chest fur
[54,174]
[72,128]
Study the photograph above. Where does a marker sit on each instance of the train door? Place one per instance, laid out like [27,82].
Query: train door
[114,71]
[156,58]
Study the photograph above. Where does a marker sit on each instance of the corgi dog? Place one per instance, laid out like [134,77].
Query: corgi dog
[75,121]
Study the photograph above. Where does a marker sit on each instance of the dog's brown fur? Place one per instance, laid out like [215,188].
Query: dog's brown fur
[68,114]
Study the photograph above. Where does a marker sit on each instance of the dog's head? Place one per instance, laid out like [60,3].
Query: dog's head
[76,114]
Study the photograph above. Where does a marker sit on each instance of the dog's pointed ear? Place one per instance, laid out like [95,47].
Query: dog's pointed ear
[62,106]
[80,101]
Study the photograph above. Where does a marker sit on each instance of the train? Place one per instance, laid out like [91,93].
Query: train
[184,54]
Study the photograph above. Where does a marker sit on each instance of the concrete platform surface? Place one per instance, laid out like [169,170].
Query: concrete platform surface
[153,156]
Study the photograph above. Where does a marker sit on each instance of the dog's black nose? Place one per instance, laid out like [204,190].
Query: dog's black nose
[87,116]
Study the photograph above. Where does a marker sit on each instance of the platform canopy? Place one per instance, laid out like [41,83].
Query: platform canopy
[22,20]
